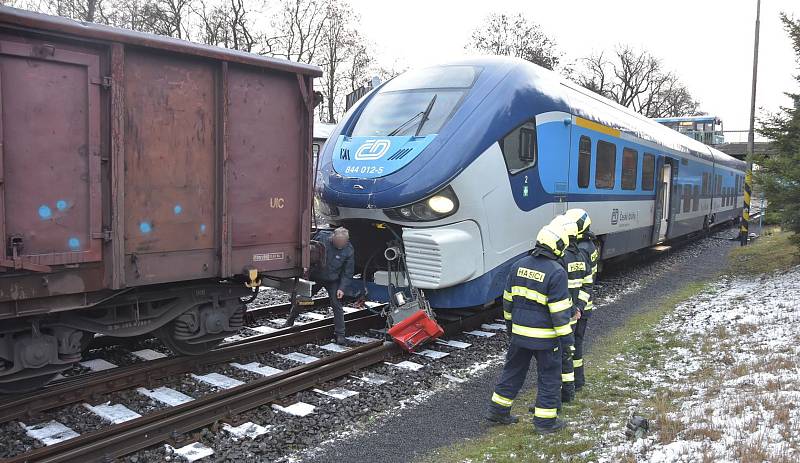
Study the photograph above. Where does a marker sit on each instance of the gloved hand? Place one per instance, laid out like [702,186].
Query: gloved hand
[508,328]
[568,345]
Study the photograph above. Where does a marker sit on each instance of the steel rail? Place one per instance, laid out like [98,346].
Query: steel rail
[85,387]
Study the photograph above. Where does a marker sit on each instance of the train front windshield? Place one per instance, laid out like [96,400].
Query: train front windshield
[417,103]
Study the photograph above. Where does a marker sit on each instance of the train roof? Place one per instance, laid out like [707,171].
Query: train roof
[26,19]
[628,121]
[589,105]
[704,118]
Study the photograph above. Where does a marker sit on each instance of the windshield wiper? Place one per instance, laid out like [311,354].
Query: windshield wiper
[425,115]
[405,124]
[424,119]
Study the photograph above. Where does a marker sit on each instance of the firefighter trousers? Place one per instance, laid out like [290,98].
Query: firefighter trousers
[548,381]
[580,331]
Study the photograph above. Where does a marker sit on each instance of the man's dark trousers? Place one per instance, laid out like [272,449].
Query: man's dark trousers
[336,304]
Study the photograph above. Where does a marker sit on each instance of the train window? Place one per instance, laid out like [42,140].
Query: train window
[584,161]
[630,167]
[687,198]
[648,172]
[605,165]
[705,184]
[696,198]
[718,188]
[519,147]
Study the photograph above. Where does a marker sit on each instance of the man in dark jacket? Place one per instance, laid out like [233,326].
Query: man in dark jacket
[335,275]
[537,308]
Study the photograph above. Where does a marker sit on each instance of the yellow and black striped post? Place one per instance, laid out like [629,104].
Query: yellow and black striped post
[744,232]
[744,228]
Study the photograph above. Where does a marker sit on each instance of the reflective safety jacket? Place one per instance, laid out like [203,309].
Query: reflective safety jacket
[578,270]
[537,302]
[591,255]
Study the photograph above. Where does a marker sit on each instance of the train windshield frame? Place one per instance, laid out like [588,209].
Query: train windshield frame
[417,103]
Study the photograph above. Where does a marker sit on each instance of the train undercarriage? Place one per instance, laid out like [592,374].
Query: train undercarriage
[189,319]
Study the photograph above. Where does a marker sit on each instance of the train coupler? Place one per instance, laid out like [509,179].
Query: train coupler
[415,330]
[410,318]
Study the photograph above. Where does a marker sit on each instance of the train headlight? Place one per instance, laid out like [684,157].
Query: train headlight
[441,204]
[438,206]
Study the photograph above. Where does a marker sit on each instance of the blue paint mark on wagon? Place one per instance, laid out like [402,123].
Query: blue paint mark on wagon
[145,227]
[177,209]
[202,228]
[61,205]
[74,243]
[45,212]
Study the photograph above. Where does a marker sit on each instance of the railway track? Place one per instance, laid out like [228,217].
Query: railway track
[84,387]
[165,424]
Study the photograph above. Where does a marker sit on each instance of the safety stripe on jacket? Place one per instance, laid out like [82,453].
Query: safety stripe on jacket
[559,306]
[527,293]
[541,333]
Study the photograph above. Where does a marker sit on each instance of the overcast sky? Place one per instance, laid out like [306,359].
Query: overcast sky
[708,43]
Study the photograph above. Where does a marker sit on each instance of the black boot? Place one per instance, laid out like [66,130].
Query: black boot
[558,425]
[340,339]
[290,319]
[293,313]
[502,418]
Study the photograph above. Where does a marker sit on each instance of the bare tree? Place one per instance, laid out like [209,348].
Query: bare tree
[359,65]
[514,35]
[81,10]
[638,80]
[299,30]
[344,57]
[227,23]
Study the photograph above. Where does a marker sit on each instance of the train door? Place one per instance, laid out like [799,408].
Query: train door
[662,209]
[553,138]
[50,205]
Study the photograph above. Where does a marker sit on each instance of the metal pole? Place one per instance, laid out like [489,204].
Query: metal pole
[744,231]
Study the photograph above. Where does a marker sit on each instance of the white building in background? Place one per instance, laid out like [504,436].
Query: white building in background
[322,130]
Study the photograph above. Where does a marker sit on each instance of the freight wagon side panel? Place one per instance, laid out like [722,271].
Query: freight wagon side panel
[267,175]
[170,168]
[50,193]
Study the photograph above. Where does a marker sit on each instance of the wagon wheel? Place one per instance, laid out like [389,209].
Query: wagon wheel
[167,336]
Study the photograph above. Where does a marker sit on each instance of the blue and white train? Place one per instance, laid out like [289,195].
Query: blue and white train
[464,162]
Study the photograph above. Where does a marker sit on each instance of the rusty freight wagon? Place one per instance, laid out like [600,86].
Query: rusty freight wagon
[146,183]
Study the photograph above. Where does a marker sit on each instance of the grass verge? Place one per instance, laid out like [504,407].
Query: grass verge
[770,252]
